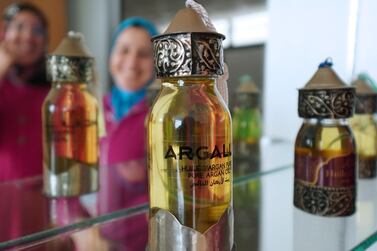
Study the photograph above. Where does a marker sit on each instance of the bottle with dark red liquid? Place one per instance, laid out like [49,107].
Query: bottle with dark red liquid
[325,153]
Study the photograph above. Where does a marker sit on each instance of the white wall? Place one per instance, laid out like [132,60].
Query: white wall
[366,44]
[301,35]
[96,19]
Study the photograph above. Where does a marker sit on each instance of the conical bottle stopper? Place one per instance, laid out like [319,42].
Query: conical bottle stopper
[326,95]
[188,48]
[71,61]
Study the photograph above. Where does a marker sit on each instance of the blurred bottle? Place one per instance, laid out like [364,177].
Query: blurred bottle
[70,119]
[364,128]
[325,161]
[247,122]
[248,216]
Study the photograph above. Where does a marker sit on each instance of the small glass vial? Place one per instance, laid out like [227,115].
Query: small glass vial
[364,128]
[246,118]
[325,153]
[70,119]
[189,142]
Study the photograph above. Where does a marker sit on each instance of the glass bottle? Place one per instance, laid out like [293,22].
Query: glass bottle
[246,118]
[152,91]
[189,142]
[70,119]
[365,129]
[325,159]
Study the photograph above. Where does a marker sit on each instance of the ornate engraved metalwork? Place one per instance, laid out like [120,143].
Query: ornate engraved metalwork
[324,201]
[366,104]
[166,233]
[188,54]
[70,69]
[330,103]
[367,167]
[172,55]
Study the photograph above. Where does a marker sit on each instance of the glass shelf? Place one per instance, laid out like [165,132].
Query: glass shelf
[28,216]
[265,218]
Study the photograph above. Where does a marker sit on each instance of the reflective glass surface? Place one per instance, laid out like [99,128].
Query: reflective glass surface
[265,218]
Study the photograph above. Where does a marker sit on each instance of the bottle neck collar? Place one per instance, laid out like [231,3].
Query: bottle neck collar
[340,121]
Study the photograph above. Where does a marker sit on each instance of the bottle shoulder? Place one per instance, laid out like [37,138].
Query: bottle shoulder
[70,98]
[325,137]
[195,100]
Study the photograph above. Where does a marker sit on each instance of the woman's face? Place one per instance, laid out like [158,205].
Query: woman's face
[131,60]
[26,38]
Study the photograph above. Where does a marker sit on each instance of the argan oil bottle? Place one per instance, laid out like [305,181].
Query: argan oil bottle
[190,142]
[247,128]
[325,153]
[70,119]
[152,91]
[365,129]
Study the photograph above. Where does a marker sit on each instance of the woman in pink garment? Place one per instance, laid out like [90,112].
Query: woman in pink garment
[23,87]
[124,180]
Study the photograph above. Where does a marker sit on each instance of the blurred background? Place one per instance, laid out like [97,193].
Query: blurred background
[279,44]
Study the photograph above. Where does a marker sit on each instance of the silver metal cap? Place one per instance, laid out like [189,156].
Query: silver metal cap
[71,61]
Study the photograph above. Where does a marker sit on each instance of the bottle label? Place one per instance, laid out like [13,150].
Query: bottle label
[200,170]
[205,166]
[74,136]
[325,185]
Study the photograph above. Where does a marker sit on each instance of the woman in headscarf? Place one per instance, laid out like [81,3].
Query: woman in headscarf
[123,179]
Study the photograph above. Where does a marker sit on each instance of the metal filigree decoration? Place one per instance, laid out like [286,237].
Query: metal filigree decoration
[324,201]
[172,55]
[209,55]
[70,69]
[168,234]
[366,104]
[188,54]
[336,103]
[367,168]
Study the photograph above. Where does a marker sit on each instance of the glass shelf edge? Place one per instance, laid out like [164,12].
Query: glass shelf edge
[50,233]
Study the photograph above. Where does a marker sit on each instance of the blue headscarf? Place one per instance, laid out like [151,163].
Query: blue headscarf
[121,100]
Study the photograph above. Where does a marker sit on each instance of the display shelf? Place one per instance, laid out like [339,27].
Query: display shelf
[263,194]
[265,219]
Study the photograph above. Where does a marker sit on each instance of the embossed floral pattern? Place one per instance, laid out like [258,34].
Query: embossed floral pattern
[188,54]
[326,103]
[324,201]
[366,104]
[70,69]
